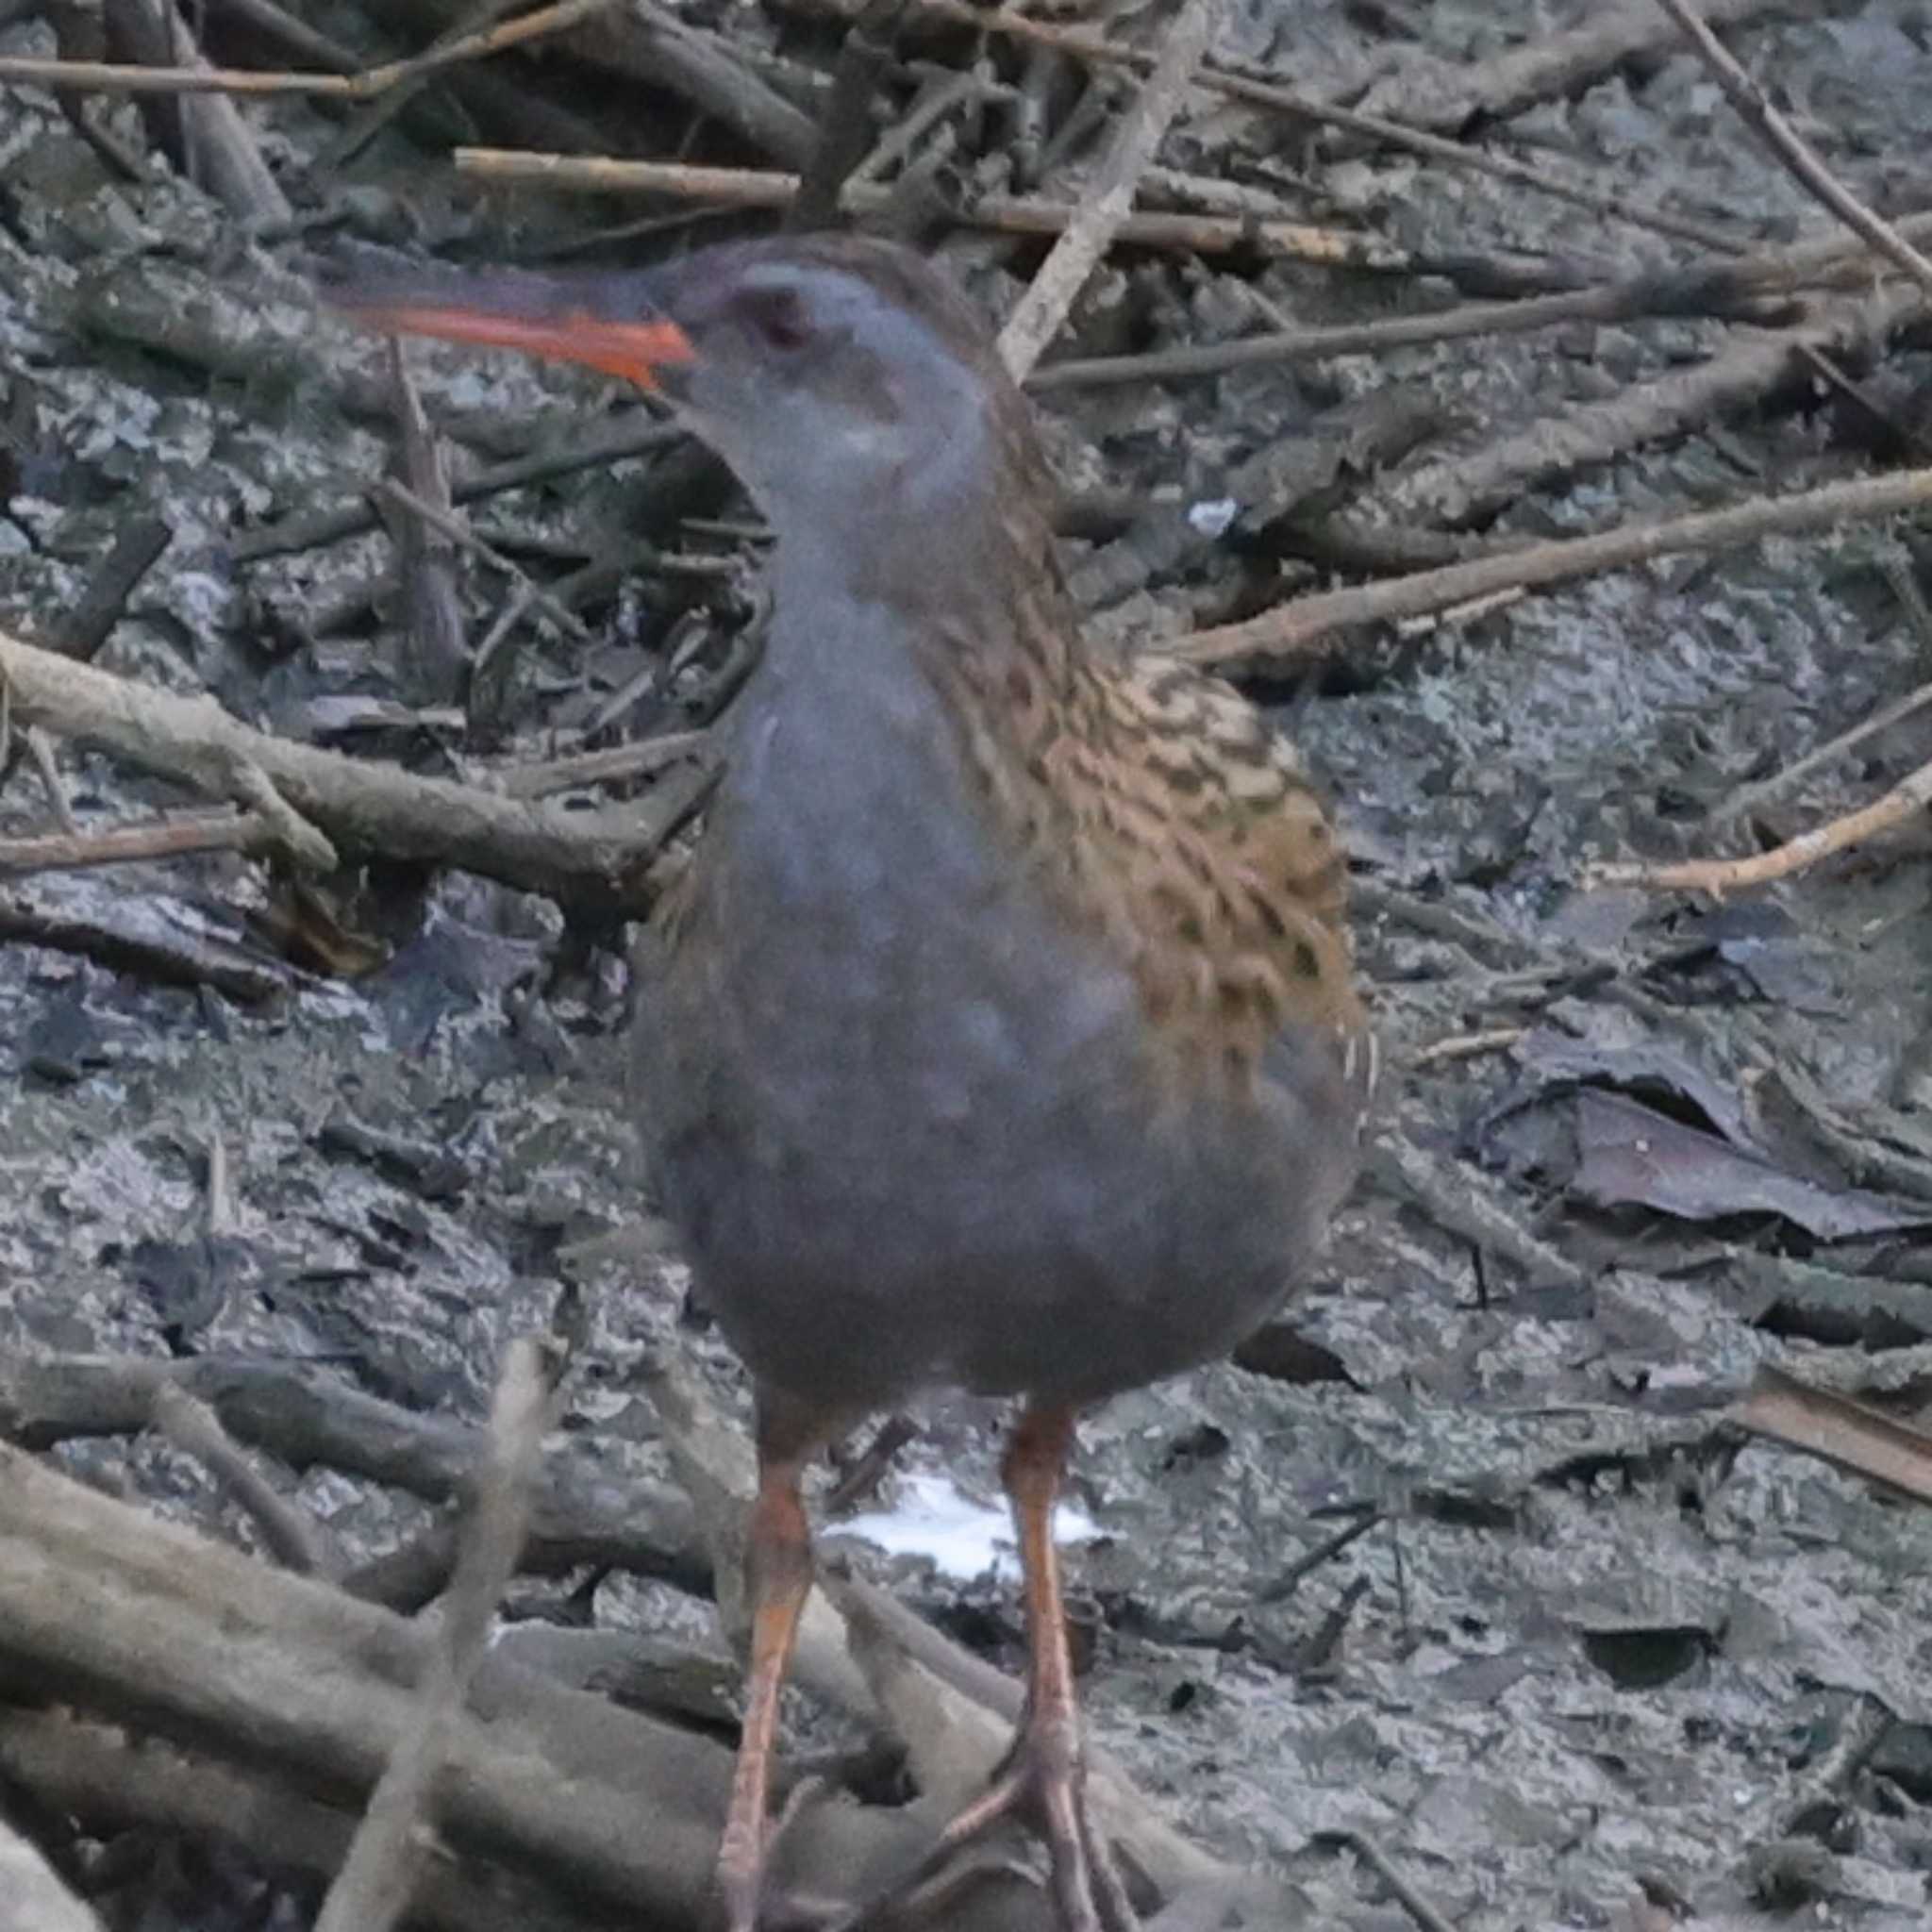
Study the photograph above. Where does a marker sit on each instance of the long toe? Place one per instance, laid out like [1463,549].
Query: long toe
[1042,1784]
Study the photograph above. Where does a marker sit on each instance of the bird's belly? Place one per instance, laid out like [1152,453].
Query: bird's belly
[905,1157]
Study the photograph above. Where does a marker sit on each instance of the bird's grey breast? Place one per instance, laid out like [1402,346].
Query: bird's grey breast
[880,962]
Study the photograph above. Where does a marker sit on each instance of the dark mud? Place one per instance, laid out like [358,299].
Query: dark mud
[1593,1640]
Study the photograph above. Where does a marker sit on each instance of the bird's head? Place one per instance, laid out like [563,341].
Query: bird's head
[849,384]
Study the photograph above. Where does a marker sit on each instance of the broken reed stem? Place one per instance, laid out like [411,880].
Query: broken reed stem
[106,77]
[1017,214]
[1096,50]
[1310,627]
[372,1889]
[1791,150]
[293,1537]
[1717,877]
[1109,202]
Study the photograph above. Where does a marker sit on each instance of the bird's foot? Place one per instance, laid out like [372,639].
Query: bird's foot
[1042,1781]
[748,1902]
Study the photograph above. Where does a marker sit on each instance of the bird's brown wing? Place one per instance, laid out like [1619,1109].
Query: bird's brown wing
[1159,804]
[1209,824]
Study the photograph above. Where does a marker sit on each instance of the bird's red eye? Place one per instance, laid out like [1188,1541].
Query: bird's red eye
[778,317]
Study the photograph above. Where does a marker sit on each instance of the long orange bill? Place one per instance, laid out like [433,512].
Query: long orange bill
[567,332]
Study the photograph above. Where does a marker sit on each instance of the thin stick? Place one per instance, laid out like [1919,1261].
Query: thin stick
[1093,48]
[1702,287]
[589,858]
[637,760]
[1108,201]
[1308,627]
[40,748]
[291,1534]
[461,534]
[1717,877]
[1839,1430]
[372,1892]
[1791,149]
[1418,1907]
[1467,1046]
[212,831]
[1749,797]
[106,77]
[1019,214]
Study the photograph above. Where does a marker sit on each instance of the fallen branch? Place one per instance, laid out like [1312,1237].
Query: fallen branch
[1017,214]
[1100,52]
[309,1419]
[222,831]
[1791,148]
[1429,90]
[1750,798]
[292,1536]
[593,861]
[378,1877]
[1310,627]
[219,1653]
[112,1782]
[105,77]
[1468,486]
[206,134]
[1722,287]
[1862,1439]
[1717,877]
[1107,204]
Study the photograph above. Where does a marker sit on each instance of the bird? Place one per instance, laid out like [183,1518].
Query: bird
[1004,1032]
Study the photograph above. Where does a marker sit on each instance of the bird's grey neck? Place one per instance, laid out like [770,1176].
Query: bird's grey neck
[945,576]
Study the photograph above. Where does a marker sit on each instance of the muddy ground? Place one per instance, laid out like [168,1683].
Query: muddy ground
[1592,1641]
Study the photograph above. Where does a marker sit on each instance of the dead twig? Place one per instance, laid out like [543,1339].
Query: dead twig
[106,77]
[435,657]
[1309,627]
[1864,1440]
[1717,877]
[306,1419]
[290,1533]
[1467,1046]
[112,1780]
[1726,286]
[1017,214]
[1465,486]
[39,751]
[1379,1862]
[845,126]
[293,836]
[219,151]
[246,832]
[219,1652]
[593,859]
[1792,150]
[1538,179]
[375,1885]
[1748,798]
[1447,95]
[136,549]
[613,764]
[460,533]
[1105,208]
[640,434]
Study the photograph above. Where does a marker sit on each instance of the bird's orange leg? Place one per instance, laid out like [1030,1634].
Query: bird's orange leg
[1043,1776]
[778,1572]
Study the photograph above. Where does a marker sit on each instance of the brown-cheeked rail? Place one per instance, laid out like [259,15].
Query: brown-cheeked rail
[1003,1032]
